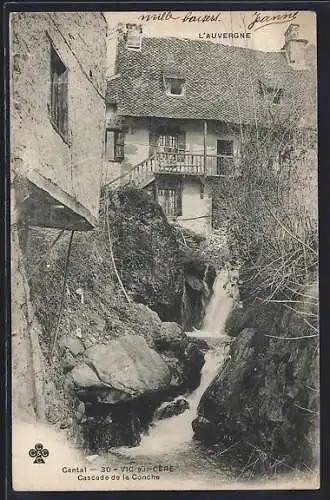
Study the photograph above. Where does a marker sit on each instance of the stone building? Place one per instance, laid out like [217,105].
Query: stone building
[58,64]
[57,113]
[177,110]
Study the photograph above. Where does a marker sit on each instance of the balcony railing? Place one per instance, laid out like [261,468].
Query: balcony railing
[142,171]
[193,164]
[180,163]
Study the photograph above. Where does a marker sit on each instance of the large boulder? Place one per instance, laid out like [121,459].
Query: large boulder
[128,365]
[85,378]
[147,251]
[259,398]
[220,411]
[90,388]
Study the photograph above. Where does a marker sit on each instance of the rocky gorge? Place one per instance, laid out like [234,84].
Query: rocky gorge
[110,354]
[263,404]
[121,368]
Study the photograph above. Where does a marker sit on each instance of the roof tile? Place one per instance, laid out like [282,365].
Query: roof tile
[222,82]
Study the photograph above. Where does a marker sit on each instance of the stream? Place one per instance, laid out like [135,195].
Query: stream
[169,442]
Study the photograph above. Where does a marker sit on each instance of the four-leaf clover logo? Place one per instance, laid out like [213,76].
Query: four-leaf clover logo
[39,453]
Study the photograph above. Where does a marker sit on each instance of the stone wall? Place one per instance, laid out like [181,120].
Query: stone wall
[27,370]
[196,206]
[69,169]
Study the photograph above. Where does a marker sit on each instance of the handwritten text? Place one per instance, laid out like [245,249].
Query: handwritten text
[187,17]
[260,21]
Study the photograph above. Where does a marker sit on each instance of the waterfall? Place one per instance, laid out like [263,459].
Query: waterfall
[218,307]
[175,433]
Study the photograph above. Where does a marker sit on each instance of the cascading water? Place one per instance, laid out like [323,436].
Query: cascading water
[218,308]
[175,433]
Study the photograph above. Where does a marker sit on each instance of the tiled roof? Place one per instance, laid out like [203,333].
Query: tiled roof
[222,82]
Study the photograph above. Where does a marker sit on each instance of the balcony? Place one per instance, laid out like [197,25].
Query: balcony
[192,164]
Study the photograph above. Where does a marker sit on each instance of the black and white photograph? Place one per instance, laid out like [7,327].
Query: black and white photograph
[164,250]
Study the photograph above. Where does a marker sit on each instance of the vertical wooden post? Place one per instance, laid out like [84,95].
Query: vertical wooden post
[156,190]
[205,145]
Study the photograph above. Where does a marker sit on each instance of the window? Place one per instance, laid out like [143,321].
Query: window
[174,86]
[170,197]
[167,140]
[59,94]
[114,145]
[168,143]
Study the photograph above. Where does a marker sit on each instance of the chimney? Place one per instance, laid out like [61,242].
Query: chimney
[130,34]
[295,47]
[133,36]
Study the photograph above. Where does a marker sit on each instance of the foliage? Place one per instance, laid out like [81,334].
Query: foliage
[273,213]
[271,216]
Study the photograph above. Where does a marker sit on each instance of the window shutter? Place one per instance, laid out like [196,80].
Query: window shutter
[61,106]
[65,103]
[153,142]
[110,145]
[119,140]
[59,110]
[54,96]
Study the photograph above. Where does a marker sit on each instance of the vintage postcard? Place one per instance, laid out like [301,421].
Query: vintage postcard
[164,250]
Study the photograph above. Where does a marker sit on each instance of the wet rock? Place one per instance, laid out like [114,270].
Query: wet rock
[73,344]
[194,362]
[199,278]
[108,426]
[204,429]
[220,408]
[185,365]
[108,396]
[195,283]
[177,370]
[175,407]
[194,358]
[129,365]
[200,343]
[256,398]
[170,337]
